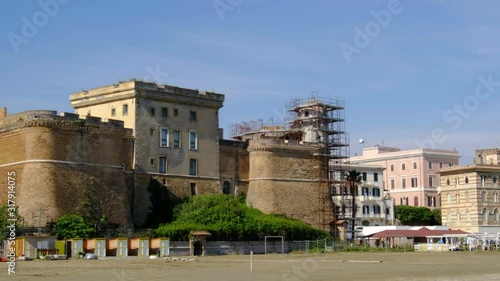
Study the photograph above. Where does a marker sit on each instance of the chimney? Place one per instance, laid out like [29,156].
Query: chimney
[3,112]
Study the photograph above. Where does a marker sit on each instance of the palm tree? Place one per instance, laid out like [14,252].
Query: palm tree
[353,179]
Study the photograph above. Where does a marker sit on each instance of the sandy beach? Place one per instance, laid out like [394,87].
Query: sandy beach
[334,266]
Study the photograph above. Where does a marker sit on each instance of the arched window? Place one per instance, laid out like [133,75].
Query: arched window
[466,179]
[494,179]
[497,215]
[485,216]
[226,187]
[415,201]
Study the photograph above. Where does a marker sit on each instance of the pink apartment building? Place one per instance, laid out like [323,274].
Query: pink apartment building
[411,176]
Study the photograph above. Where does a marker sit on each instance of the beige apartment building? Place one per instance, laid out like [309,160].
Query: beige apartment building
[470,194]
[374,207]
[411,176]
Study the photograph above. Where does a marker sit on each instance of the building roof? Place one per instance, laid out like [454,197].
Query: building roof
[470,168]
[420,233]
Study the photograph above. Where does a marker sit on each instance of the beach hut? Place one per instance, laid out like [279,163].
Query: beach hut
[34,246]
[74,247]
[118,247]
[160,246]
[96,246]
[139,247]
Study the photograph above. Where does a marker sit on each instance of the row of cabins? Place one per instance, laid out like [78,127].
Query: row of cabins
[35,246]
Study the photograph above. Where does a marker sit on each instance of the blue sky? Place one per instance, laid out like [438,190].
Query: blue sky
[402,87]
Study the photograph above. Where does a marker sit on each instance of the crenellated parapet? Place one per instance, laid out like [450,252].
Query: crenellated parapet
[279,145]
[65,120]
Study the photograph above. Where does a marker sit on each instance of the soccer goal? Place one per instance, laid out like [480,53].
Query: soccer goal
[274,237]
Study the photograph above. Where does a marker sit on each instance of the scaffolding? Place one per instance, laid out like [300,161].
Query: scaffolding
[321,122]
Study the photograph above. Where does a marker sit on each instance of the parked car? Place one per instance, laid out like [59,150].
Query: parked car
[90,256]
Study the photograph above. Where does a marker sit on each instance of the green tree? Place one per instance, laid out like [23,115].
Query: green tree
[5,214]
[410,215]
[72,226]
[353,179]
[228,218]
[436,217]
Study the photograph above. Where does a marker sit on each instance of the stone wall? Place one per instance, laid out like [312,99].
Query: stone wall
[61,161]
[283,180]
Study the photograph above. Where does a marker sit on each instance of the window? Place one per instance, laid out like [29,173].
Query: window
[448,198]
[164,112]
[364,176]
[495,197]
[440,165]
[414,164]
[457,197]
[451,164]
[403,183]
[193,167]
[431,201]
[415,201]
[366,210]
[430,165]
[226,187]
[431,179]
[375,176]
[403,167]
[392,167]
[163,165]
[392,183]
[113,111]
[125,110]
[466,179]
[164,138]
[193,140]
[177,139]
[485,216]
[193,189]
[376,209]
[152,131]
[483,180]
[414,182]
[364,191]
[494,179]
[447,181]
[376,192]
[458,217]
[151,161]
[192,115]
[176,112]
[152,111]
[404,201]
[306,114]
[496,214]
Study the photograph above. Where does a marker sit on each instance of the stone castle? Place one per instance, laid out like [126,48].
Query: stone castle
[134,147]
